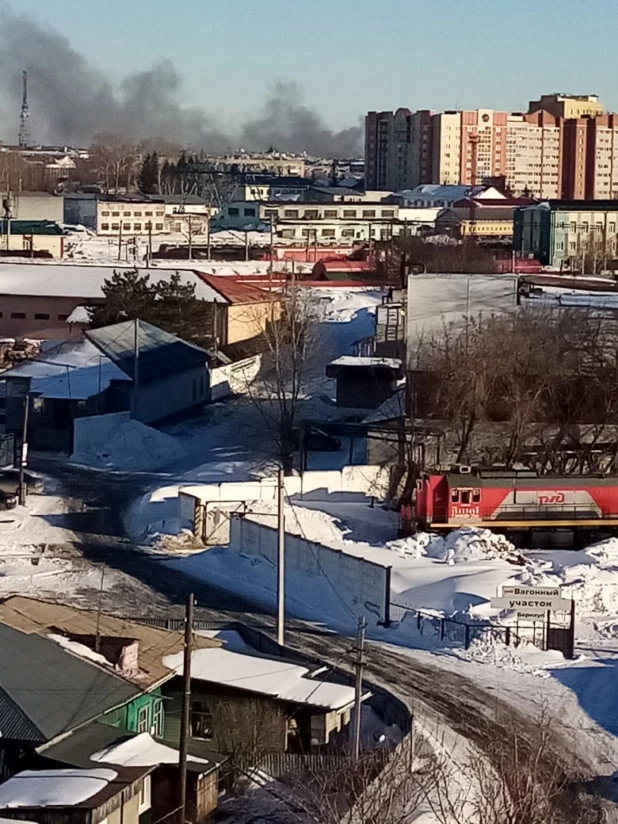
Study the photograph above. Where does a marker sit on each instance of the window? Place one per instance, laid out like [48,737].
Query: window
[148,214]
[18,315]
[62,317]
[476,496]
[104,227]
[41,316]
[178,227]
[137,227]
[126,214]
[126,227]
[233,211]
[137,214]
[454,496]
[115,227]
[105,214]
[572,246]
[287,233]
[369,212]
[311,214]
[328,233]
[349,212]
[347,233]
[159,227]
[465,496]
[142,719]
[115,214]
[201,719]
[158,719]
[160,214]
[330,213]
[612,228]
[585,226]
[249,212]
[291,213]
[270,213]
[573,227]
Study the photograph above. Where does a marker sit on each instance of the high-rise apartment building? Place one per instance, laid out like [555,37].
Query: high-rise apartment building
[379,149]
[567,105]
[563,147]
[533,154]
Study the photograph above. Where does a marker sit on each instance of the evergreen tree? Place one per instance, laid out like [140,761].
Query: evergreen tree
[169,304]
[148,180]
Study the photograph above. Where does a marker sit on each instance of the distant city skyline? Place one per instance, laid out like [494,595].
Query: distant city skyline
[347,57]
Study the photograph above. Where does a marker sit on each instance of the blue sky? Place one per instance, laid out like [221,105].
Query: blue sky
[351,55]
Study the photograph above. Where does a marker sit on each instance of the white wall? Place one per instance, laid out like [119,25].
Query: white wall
[91,432]
[366,481]
[363,585]
[234,377]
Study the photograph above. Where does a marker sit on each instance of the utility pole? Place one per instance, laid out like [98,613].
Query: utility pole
[190,236]
[23,453]
[149,253]
[272,241]
[280,561]
[359,666]
[186,710]
[208,236]
[120,240]
[246,245]
[135,364]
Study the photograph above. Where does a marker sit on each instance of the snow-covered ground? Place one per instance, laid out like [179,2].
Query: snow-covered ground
[36,556]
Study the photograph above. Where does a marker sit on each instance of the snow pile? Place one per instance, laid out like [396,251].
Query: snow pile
[460,546]
[78,649]
[133,445]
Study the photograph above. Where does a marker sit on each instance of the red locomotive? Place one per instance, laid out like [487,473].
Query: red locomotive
[511,501]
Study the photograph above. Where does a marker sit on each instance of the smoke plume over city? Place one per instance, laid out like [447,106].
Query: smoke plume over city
[71,101]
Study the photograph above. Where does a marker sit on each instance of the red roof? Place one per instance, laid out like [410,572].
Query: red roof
[234,290]
[347,265]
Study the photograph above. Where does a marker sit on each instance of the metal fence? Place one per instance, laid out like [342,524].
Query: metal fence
[462,633]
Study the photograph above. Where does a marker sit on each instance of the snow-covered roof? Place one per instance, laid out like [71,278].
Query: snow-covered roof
[266,676]
[140,751]
[53,788]
[75,369]
[79,315]
[82,281]
[375,363]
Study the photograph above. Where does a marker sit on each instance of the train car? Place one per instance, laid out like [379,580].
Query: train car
[513,502]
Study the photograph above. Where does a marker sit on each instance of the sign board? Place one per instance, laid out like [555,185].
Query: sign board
[17,388]
[531,601]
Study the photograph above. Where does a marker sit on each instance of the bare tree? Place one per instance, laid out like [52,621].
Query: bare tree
[538,388]
[288,336]
[523,776]
[115,159]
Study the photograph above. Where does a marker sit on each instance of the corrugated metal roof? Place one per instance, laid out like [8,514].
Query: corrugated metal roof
[14,723]
[234,290]
[54,689]
[159,353]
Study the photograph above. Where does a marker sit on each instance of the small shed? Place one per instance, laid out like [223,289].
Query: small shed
[364,383]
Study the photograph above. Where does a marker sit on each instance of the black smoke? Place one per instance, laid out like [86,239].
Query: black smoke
[71,101]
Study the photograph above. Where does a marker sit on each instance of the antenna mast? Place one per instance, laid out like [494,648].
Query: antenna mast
[24,132]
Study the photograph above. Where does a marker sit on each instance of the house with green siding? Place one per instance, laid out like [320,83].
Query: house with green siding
[87,668]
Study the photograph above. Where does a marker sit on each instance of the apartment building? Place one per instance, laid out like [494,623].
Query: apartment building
[564,146]
[567,105]
[533,154]
[567,232]
[379,130]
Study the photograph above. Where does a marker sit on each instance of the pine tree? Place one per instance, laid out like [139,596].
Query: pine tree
[148,180]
